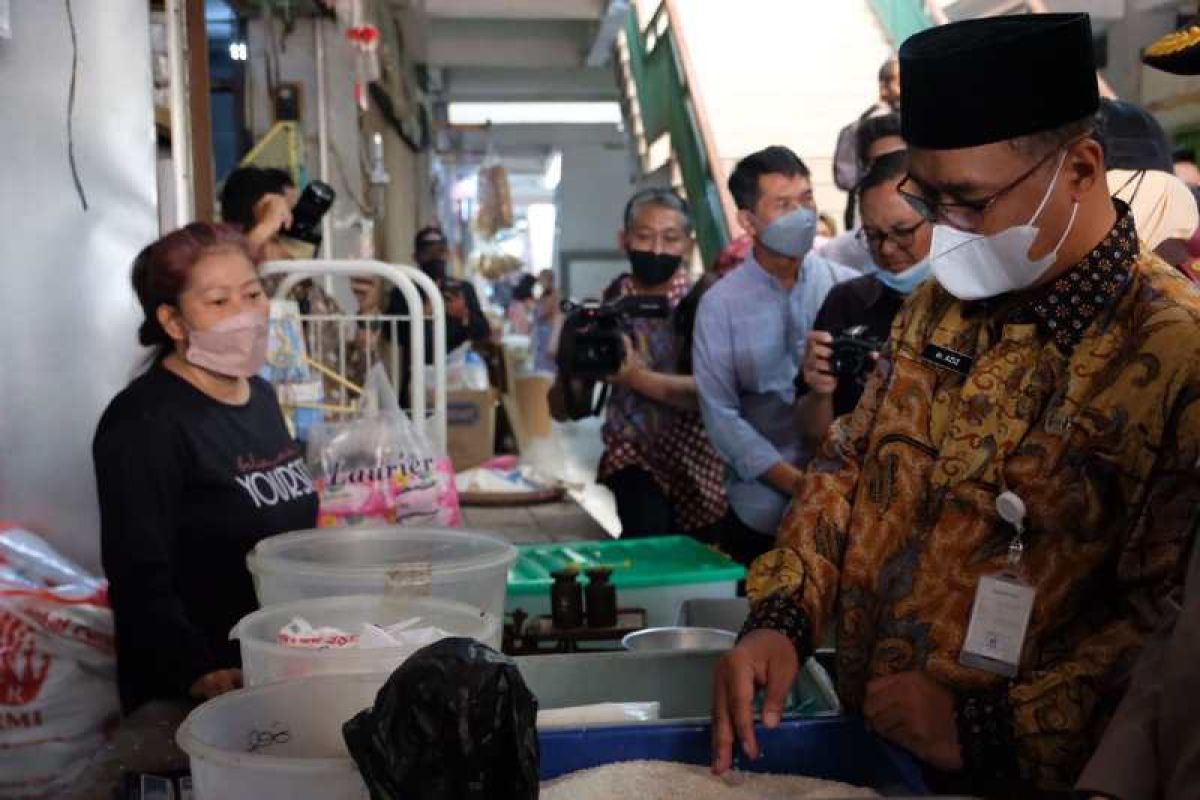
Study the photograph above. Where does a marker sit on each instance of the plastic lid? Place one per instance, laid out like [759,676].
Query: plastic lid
[636,563]
[363,552]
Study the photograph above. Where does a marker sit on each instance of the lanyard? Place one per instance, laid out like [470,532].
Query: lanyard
[1011,509]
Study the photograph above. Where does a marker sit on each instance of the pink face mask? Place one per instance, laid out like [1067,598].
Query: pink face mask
[236,347]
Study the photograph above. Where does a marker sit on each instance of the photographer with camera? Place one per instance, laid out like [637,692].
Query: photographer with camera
[657,460]
[857,315]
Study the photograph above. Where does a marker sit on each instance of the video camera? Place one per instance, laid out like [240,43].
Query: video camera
[591,345]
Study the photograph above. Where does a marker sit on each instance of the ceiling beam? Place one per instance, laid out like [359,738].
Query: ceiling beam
[467,84]
[530,45]
[579,10]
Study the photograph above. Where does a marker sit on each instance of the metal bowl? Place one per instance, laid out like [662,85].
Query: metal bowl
[679,639]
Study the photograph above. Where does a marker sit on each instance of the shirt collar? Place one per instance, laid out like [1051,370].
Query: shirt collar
[760,273]
[1066,308]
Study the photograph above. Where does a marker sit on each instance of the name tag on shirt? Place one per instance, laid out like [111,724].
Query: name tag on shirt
[999,621]
[948,359]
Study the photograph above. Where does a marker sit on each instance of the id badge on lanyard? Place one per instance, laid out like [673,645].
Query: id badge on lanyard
[1003,605]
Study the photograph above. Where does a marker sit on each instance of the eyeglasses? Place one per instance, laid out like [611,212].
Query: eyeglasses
[967,215]
[872,239]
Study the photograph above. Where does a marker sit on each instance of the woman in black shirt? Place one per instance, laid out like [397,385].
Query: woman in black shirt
[898,239]
[194,465]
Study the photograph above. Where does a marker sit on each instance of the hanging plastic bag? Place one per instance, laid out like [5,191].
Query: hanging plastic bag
[287,367]
[453,722]
[380,468]
[58,694]
[465,371]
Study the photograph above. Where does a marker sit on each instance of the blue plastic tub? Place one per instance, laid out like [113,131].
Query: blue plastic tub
[834,748]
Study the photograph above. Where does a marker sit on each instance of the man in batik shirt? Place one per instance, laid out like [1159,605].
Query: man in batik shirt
[1049,377]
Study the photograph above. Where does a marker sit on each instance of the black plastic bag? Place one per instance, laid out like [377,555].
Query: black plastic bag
[453,722]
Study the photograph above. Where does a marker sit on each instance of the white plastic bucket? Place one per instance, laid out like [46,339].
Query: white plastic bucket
[264,660]
[282,741]
[464,566]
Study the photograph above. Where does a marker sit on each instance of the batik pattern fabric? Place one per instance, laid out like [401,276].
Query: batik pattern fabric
[1092,421]
[666,442]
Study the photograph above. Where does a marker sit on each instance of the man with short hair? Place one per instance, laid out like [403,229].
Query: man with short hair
[876,137]
[749,340]
[999,523]
[465,321]
[848,166]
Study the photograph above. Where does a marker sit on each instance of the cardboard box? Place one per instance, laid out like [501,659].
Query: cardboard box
[470,427]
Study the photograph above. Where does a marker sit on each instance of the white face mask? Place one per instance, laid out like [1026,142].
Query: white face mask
[972,266]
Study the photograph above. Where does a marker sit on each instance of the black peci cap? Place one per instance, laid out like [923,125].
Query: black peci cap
[1178,52]
[989,80]
[1132,137]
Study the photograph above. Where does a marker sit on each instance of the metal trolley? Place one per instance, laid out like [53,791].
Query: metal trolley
[419,292]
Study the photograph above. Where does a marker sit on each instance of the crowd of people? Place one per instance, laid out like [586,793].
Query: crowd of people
[960,439]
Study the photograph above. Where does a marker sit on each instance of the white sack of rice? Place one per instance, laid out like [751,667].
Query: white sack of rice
[665,780]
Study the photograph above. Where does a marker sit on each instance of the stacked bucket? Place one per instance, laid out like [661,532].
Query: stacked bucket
[281,736]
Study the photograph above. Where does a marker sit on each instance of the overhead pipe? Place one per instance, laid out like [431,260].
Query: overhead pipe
[181,151]
[323,138]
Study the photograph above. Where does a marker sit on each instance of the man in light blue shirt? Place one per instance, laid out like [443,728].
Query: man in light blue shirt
[749,343]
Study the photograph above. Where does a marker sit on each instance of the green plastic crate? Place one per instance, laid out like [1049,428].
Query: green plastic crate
[657,573]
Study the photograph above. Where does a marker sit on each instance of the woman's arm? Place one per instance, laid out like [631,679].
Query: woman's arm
[814,409]
[140,469]
[677,391]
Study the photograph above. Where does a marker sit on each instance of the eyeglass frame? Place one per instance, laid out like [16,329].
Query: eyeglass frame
[903,238]
[934,212]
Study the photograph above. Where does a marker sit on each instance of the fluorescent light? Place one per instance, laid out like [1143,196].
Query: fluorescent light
[553,174]
[533,113]
[238,51]
[543,217]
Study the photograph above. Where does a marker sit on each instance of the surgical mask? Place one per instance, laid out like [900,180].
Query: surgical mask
[792,234]
[906,281]
[652,269]
[235,347]
[972,266]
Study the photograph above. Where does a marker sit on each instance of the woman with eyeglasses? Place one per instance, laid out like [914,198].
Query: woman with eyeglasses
[897,238]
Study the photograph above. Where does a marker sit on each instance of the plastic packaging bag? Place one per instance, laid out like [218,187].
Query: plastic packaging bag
[454,722]
[380,467]
[465,371]
[58,694]
[287,367]
[301,633]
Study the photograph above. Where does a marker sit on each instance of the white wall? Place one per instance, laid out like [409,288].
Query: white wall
[789,72]
[68,318]
[594,189]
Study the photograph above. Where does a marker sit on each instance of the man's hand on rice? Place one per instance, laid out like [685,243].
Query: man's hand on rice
[762,658]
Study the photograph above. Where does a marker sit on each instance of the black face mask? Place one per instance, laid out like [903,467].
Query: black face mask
[435,268]
[651,269]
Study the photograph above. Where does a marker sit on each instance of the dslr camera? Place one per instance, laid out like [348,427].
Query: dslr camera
[852,351]
[310,209]
[591,345]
